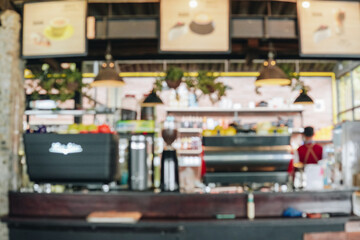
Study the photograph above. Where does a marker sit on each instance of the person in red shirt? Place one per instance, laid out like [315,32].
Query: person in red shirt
[309,152]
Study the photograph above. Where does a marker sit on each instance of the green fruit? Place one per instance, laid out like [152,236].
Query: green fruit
[92,127]
[73,128]
[82,127]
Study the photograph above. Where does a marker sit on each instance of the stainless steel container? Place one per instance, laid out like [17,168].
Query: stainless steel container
[138,167]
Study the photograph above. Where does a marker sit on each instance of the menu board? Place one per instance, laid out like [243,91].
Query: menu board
[194,26]
[329,28]
[55,28]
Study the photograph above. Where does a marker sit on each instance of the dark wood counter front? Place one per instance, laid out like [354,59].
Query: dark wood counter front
[70,229]
[173,216]
[175,205]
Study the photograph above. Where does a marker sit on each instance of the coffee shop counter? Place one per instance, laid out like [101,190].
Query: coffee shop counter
[173,215]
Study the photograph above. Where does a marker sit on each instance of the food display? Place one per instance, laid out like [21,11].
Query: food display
[202,24]
[177,31]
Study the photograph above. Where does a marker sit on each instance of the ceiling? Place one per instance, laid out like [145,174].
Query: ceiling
[133,55]
[216,65]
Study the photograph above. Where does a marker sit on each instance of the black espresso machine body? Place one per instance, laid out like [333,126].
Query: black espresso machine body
[72,158]
[244,159]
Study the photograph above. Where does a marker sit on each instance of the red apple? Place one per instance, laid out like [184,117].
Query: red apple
[104,129]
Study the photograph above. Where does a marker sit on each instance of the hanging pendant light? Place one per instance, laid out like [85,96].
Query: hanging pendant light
[303,98]
[152,100]
[272,74]
[108,76]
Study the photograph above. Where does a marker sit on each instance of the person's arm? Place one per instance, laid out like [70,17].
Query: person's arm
[296,156]
[297,163]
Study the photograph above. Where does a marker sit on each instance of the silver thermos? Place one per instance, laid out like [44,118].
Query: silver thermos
[138,166]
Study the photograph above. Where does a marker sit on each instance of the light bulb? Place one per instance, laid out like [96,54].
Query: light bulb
[305,4]
[193,3]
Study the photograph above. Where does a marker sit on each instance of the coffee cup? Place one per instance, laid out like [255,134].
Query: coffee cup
[202,24]
[58,26]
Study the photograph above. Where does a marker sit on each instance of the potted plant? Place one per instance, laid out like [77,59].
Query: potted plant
[56,86]
[174,77]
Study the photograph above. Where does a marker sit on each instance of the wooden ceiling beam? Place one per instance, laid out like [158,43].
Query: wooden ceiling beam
[6,5]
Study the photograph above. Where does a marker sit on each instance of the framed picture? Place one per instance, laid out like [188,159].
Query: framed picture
[329,28]
[54,29]
[194,26]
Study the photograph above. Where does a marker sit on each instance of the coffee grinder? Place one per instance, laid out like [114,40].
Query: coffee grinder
[169,162]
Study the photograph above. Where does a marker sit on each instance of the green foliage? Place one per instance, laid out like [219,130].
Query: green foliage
[174,74]
[58,86]
[296,83]
[207,84]
[158,84]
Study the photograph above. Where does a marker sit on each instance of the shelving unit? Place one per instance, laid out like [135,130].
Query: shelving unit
[242,110]
[54,117]
[236,112]
[65,112]
[204,111]
[189,130]
[189,152]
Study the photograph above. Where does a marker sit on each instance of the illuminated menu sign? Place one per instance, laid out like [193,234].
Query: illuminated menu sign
[194,26]
[329,28]
[55,28]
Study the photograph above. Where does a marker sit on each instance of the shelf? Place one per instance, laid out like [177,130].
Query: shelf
[65,112]
[189,152]
[242,110]
[323,141]
[189,130]
[296,130]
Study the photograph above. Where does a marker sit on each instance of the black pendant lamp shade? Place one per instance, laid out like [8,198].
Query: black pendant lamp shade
[303,98]
[108,77]
[272,75]
[152,100]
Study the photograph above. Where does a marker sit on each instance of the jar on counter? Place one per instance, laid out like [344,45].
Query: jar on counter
[129,107]
[147,112]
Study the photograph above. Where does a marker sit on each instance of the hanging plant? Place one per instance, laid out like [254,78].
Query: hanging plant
[174,77]
[205,83]
[296,83]
[57,86]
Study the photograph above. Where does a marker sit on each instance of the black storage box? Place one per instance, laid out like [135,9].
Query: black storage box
[72,158]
